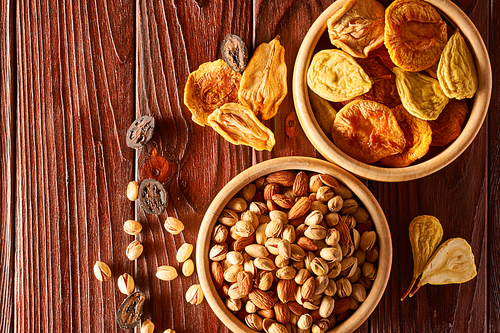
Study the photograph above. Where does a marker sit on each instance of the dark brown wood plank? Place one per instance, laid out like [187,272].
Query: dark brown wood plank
[75,102]
[173,39]
[7,174]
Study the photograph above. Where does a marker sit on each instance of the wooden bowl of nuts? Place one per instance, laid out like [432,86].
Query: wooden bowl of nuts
[294,241]
[380,108]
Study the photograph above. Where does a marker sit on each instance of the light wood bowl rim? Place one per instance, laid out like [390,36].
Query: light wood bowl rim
[323,144]
[306,164]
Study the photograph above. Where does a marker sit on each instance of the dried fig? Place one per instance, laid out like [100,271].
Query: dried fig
[449,124]
[367,131]
[418,137]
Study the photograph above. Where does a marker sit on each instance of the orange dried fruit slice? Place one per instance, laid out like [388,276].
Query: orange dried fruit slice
[415,34]
[449,124]
[418,137]
[209,87]
[357,27]
[367,131]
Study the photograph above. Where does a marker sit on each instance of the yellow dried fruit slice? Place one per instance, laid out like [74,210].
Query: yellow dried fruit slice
[336,76]
[209,87]
[453,262]
[415,34]
[263,85]
[239,125]
[418,135]
[457,72]
[357,27]
[421,95]
[367,131]
[449,124]
[323,111]
[425,233]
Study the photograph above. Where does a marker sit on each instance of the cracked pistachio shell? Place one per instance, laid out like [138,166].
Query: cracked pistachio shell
[335,76]
[239,125]
[456,71]
[421,95]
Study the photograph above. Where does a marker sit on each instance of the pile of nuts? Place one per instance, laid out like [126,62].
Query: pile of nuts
[293,252]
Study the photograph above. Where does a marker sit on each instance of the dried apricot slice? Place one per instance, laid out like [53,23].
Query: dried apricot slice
[357,27]
[209,87]
[415,34]
[367,131]
[335,76]
[323,111]
[449,124]
[418,137]
[239,125]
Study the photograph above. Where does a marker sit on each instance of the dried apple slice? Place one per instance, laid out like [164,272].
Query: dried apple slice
[367,131]
[425,233]
[415,34]
[453,262]
[357,27]
[336,76]
[209,87]
[449,124]
[239,125]
[418,135]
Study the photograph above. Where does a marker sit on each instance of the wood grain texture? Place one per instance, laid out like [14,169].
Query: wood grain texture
[75,78]
[7,187]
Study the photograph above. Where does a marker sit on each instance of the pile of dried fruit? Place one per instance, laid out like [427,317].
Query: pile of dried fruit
[452,262]
[293,250]
[401,81]
[219,96]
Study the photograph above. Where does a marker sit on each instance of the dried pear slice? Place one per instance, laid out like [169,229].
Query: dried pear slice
[418,135]
[263,84]
[323,111]
[457,72]
[335,76]
[357,27]
[239,125]
[209,87]
[449,124]
[426,233]
[367,131]
[415,34]
[453,262]
[421,95]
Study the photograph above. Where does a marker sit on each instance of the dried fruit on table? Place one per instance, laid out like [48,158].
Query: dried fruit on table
[425,233]
[384,89]
[449,124]
[367,131]
[209,87]
[457,72]
[155,167]
[235,53]
[152,196]
[263,84]
[357,27]
[130,312]
[238,125]
[421,95]
[323,111]
[140,132]
[453,262]
[335,76]
[415,34]
[418,137]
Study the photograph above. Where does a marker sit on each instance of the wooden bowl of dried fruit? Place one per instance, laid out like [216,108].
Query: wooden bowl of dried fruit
[294,241]
[385,92]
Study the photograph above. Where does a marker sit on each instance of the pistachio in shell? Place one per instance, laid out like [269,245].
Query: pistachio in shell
[129,313]
[235,53]
[152,196]
[140,132]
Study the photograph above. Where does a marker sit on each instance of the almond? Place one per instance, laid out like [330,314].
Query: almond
[282,201]
[240,244]
[296,308]
[217,274]
[245,282]
[301,184]
[300,208]
[345,234]
[282,178]
[307,244]
[261,299]
[282,313]
[341,305]
[268,313]
[286,290]
[329,180]
[308,288]
[270,190]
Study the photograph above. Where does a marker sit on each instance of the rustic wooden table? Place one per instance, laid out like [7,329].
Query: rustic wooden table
[74,74]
